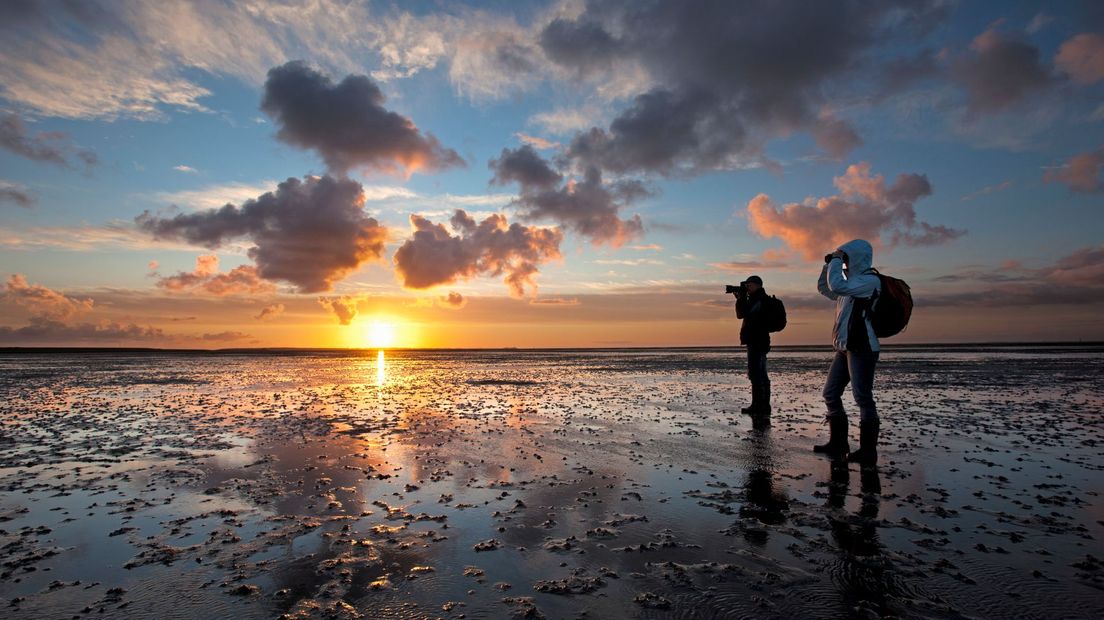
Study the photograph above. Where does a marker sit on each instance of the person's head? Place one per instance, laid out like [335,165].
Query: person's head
[754,283]
[860,255]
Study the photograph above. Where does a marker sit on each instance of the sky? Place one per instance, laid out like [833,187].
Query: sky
[325,173]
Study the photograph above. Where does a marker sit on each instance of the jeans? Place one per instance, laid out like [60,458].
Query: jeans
[858,370]
[757,366]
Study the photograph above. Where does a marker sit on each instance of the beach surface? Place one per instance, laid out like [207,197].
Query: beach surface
[558,484]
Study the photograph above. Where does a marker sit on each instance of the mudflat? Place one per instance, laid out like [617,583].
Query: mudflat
[597,483]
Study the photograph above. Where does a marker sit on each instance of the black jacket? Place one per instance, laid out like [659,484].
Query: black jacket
[753,310]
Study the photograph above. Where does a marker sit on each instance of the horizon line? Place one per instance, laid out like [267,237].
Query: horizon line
[80,349]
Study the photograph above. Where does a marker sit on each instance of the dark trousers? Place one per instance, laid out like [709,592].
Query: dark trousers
[858,370]
[757,366]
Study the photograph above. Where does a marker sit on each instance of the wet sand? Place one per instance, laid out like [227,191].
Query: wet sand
[556,484]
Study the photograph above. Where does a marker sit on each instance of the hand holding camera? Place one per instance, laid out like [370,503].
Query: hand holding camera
[736,290]
[837,254]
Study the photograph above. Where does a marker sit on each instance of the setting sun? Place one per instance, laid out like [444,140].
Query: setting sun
[381,335]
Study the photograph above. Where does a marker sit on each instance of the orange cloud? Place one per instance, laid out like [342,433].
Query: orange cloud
[1082,58]
[1081,173]
[206,278]
[433,256]
[343,307]
[43,302]
[866,208]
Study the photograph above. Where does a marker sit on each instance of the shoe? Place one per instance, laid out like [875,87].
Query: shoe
[837,446]
[867,454]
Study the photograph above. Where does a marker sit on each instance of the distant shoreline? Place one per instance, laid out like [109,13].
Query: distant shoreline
[950,346]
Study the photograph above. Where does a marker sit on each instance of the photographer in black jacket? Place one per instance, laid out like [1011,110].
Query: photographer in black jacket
[751,306]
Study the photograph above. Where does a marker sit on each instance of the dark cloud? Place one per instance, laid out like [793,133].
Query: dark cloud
[344,308]
[16,195]
[433,255]
[525,167]
[453,300]
[310,233]
[588,207]
[866,208]
[999,70]
[725,76]
[1082,173]
[48,146]
[47,331]
[347,124]
[207,278]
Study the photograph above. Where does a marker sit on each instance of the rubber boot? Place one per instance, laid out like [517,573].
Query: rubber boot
[764,408]
[754,406]
[867,454]
[837,446]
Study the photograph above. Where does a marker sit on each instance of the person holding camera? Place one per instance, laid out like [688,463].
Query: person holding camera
[752,307]
[848,278]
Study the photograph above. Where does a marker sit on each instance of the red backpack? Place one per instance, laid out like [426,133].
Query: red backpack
[892,306]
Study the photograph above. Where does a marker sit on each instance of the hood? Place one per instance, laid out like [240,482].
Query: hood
[860,253]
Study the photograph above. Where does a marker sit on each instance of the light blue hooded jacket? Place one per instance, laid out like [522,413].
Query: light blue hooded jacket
[844,286]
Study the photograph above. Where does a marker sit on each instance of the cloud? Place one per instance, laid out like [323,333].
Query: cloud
[214,196]
[588,207]
[999,70]
[725,78]
[227,336]
[52,316]
[555,301]
[343,307]
[310,233]
[453,300]
[44,302]
[48,331]
[206,278]
[865,208]
[46,146]
[434,256]
[15,194]
[1076,279]
[1082,58]
[565,121]
[270,311]
[185,169]
[1082,173]
[347,124]
[989,189]
[536,142]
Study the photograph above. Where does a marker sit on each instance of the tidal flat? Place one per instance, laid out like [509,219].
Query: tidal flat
[557,484]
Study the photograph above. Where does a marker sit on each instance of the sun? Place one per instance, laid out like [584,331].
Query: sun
[381,335]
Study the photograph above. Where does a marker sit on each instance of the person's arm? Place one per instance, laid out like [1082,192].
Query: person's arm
[858,285]
[822,284]
[741,305]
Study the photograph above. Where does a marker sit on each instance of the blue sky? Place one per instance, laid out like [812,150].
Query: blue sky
[1009,96]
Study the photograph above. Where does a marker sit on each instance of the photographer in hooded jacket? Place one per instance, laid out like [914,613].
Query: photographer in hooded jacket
[752,306]
[848,279]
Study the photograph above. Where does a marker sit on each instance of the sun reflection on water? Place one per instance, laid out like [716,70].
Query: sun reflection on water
[381,369]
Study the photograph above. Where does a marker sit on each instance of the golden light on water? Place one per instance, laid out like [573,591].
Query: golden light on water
[381,368]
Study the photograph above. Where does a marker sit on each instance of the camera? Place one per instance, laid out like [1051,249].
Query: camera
[828,257]
[735,290]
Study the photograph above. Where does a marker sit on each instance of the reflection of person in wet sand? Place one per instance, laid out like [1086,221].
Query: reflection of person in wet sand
[863,575]
[762,500]
[848,279]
